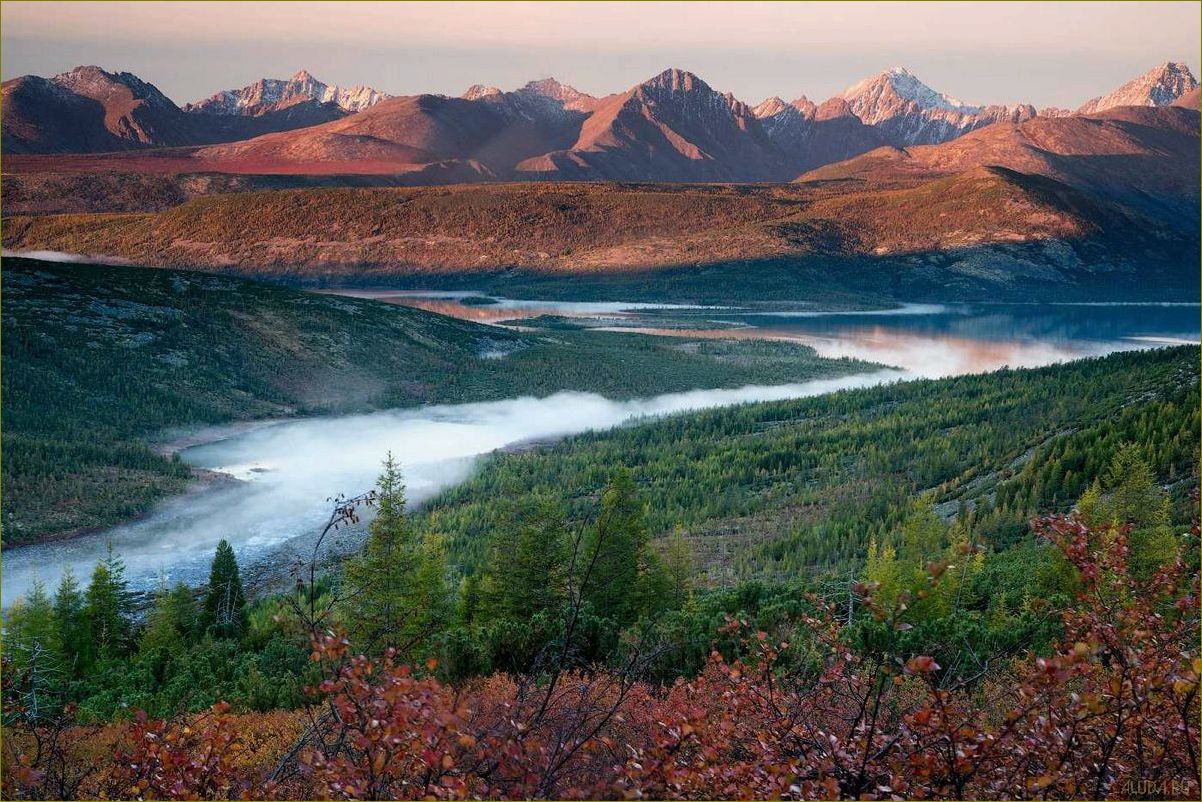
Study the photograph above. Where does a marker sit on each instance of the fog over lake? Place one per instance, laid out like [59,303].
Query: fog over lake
[286,471]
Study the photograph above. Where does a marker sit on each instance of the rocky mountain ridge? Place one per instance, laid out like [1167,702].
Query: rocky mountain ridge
[270,94]
[672,127]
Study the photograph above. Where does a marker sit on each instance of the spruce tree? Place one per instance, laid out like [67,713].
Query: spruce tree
[225,604]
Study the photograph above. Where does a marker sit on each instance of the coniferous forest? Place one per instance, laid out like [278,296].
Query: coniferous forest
[733,415]
[979,561]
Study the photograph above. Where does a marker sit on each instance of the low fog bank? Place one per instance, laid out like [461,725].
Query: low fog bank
[289,470]
[62,256]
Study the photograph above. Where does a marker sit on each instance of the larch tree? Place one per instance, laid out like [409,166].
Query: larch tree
[33,645]
[609,564]
[527,566]
[107,607]
[395,587]
[75,641]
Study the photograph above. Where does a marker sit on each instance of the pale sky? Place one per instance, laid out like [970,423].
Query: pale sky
[1045,53]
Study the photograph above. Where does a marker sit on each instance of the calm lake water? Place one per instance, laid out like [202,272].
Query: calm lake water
[282,474]
[933,340]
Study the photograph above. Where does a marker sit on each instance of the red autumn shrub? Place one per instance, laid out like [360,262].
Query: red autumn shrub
[1111,711]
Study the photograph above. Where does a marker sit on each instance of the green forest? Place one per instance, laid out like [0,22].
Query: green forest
[605,544]
[99,362]
[770,490]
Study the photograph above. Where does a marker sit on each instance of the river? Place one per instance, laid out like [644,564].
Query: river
[282,474]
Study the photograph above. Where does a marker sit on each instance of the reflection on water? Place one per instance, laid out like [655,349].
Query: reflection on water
[290,469]
[935,340]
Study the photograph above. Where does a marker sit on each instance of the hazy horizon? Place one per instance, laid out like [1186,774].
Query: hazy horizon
[1048,54]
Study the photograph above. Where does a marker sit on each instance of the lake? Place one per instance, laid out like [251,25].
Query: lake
[281,475]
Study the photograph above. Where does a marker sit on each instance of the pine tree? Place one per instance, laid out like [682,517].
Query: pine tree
[107,607]
[527,565]
[225,604]
[612,551]
[77,648]
[388,588]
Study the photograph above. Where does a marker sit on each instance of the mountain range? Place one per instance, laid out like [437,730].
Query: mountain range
[889,189]
[671,127]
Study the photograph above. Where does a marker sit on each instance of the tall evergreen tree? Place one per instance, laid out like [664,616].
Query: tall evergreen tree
[922,533]
[882,568]
[172,621]
[527,567]
[612,551]
[374,581]
[108,606]
[1136,499]
[225,604]
[680,564]
[396,587]
[427,598]
[78,649]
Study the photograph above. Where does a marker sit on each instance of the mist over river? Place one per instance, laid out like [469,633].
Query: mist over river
[286,471]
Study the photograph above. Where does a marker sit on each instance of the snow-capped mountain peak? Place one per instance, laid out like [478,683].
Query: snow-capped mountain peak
[879,97]
[268,94]
[1160,86]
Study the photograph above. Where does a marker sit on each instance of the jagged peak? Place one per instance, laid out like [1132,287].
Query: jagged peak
[834,108]
[550,88]
[807,107]
[1173,67]
[906,86]
[676,80]
[1159,86]
[546,86]
[92,81]
[770,107]
[270,91]
[477,91]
